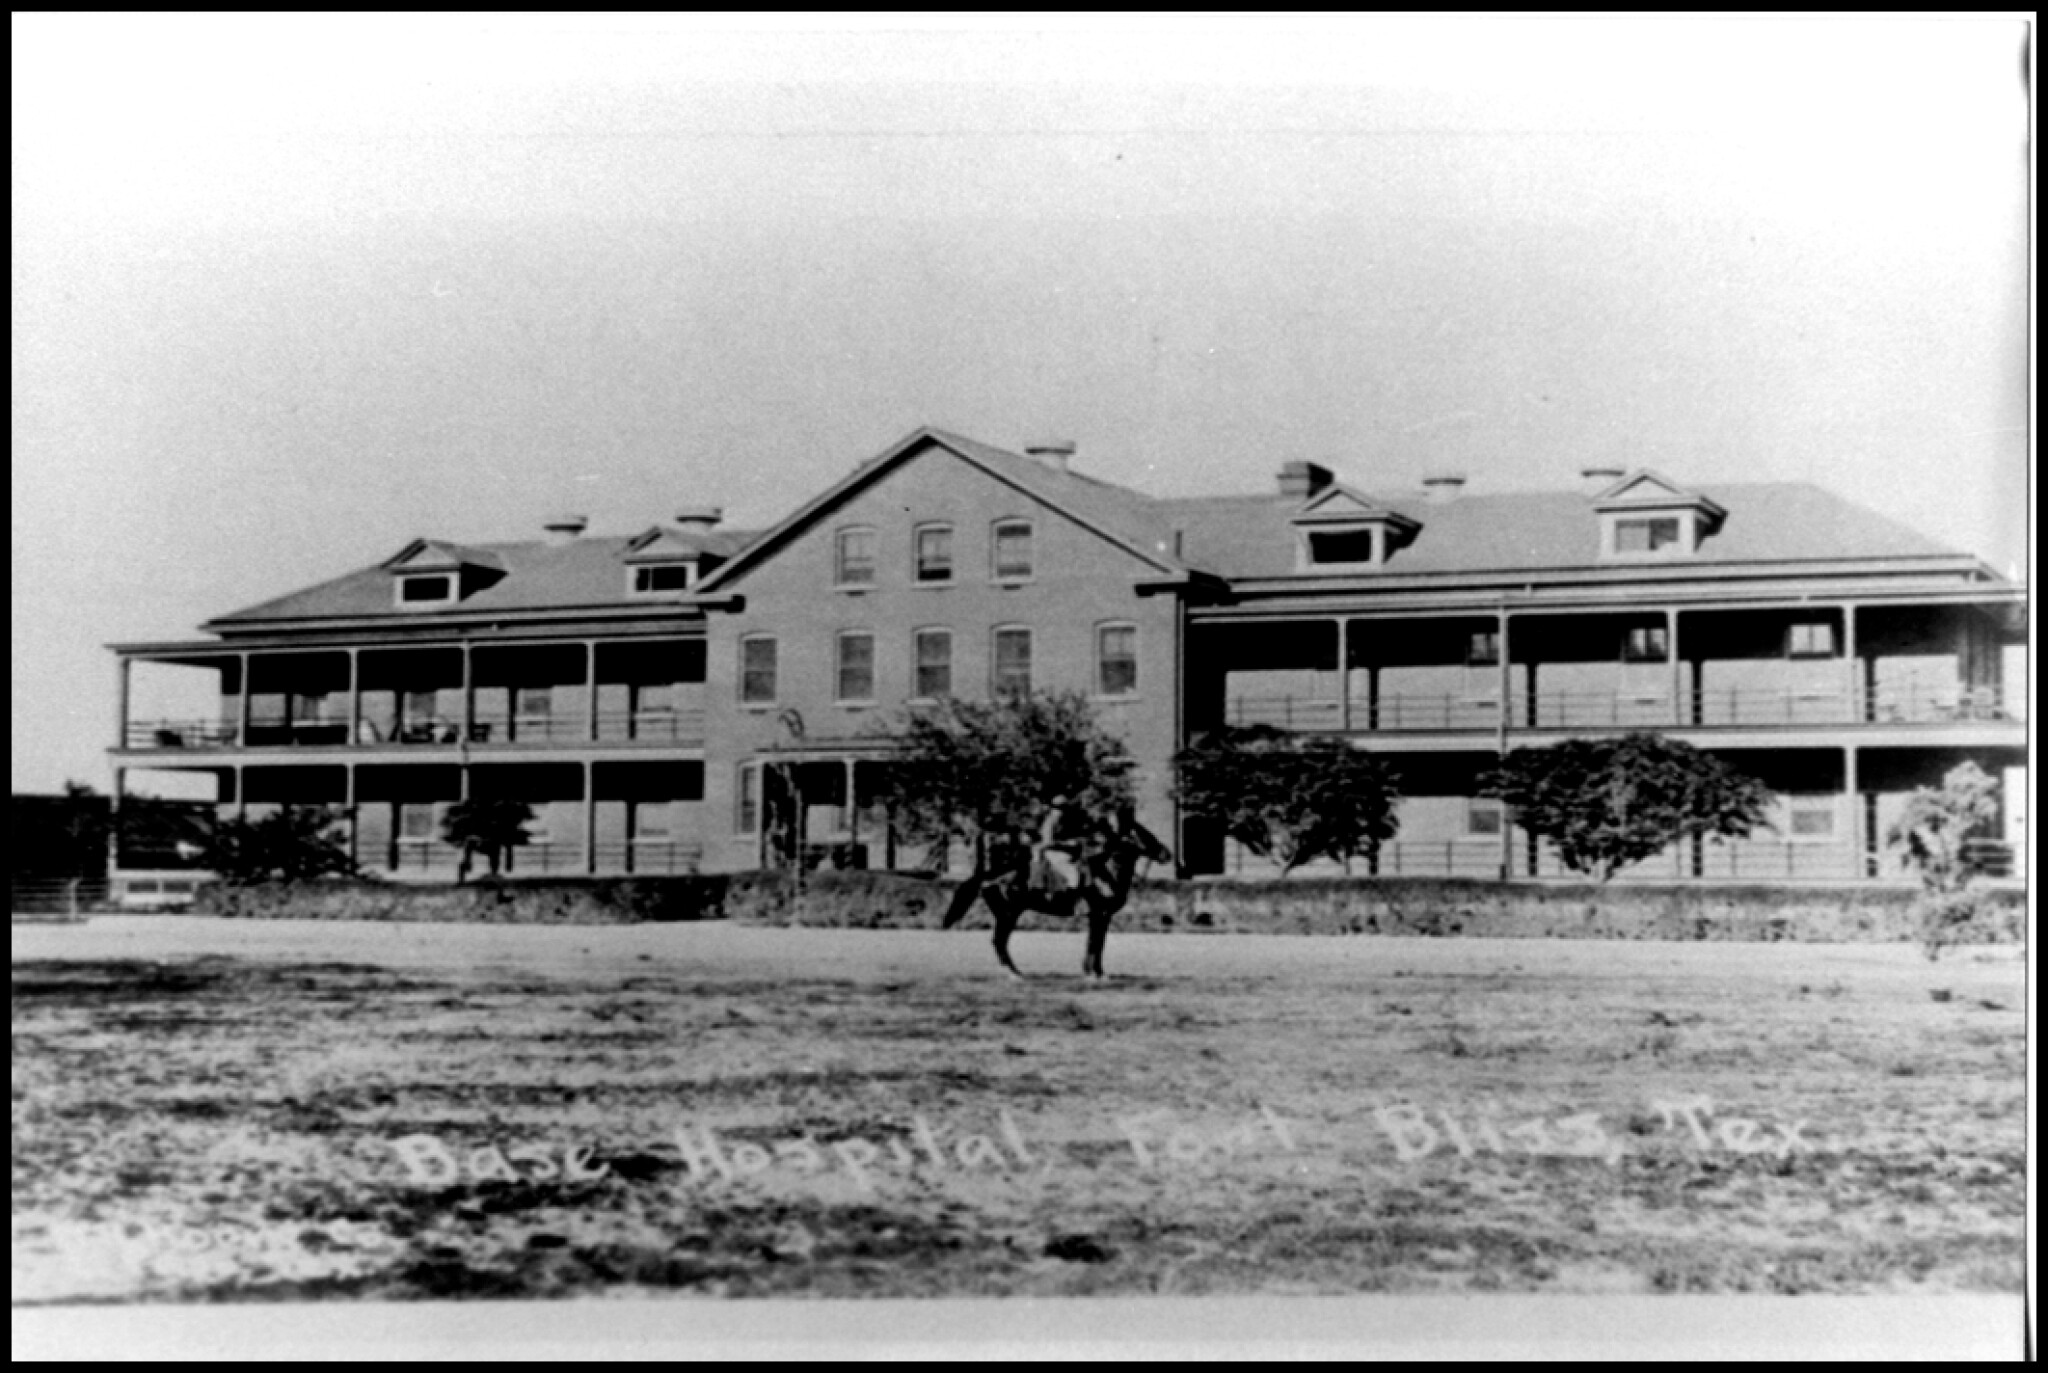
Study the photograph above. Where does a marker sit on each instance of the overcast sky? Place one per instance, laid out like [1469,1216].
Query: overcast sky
[290,292]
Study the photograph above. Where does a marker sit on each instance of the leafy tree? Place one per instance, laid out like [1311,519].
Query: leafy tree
[1291,798]
[491,827]
[975,770]
[1935,830]
[1607,803]
[291,844]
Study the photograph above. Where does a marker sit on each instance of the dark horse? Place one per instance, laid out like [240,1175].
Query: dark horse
[1107,866]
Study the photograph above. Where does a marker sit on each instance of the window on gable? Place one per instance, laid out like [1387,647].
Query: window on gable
[854,558]
[1646,644]
[1012,550]
[934,663]
[1646,536]
[856,667]
[1813,639]
[757,671]
[1116,660]
[1341,546]
[1012,674]
[933,553]
[660,577]
[429,589]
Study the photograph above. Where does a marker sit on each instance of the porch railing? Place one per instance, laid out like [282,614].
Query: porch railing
[1715,708]
[652,856]
[683,726]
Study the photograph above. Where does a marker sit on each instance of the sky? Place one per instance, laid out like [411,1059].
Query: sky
[292,291]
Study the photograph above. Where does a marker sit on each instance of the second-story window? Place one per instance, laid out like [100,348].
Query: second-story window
[659,577]
[854,558]
[1116,660]
[1645,536]
[1483,649]
[757,671]
[1646,644]
[932,558]
[1012,545]
[437,589]
[934,663]
[856,666]
[1815,639]
[1012,674]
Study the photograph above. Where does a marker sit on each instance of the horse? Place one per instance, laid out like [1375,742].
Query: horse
[1107,867]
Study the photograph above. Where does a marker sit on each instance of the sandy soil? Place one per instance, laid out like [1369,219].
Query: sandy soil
[210,1110]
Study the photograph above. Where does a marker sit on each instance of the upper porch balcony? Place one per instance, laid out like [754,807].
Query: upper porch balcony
[424,699]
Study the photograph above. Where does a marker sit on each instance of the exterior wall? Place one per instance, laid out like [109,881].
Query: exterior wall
[1080,581]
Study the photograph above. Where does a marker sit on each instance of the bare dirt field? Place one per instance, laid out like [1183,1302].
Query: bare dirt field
[215,1110]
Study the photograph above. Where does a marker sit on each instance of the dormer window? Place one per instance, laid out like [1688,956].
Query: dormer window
[1343,531]
[430,589]
[654,579]
[1646,516]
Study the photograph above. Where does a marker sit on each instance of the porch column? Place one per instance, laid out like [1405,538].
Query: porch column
[1343,674]
[121,709]
[589,818]
[1372,695]
[1858,709]
[1858,862]
[242,728]
[355,711]
[590,687]
[242,783]
[852,808]
[468,700]
[348,792]
[1678,713]
[1507,830]
[114,820]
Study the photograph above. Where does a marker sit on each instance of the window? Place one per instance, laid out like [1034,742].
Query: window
[1483,649]
[535,703]
[654,698]
[1646,644]
[1815,639]
[1645,536]
[437,589]
[747,800]
[1483,816]
[934,663]
[651,581]
[1116,660]
[309,707]
[853,561]
[1810,817]
[1341,546]
[934,553]
[422,706]
[856,667]
[1012,550]
[757,671]
[1012,662]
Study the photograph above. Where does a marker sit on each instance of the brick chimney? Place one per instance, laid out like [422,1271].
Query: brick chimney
[564,529]
[1443,488]
[1598,479]
[702,518]
[1300,480]
[1054,453]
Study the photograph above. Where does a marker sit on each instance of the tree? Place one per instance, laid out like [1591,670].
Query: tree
[1291,798]
[976,771]
[291,844]
[1935,830]
[492,827]
[1607,803]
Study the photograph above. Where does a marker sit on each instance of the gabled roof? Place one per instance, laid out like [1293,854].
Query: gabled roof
[1652,490]
[1124,517]
[1340,504]
[674,543]
[583,574]
[434,555]
[1536,531]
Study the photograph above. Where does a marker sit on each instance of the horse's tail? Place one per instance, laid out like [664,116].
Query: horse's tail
[963,899]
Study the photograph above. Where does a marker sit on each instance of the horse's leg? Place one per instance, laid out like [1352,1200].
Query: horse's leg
[963,900]
[1006,912]
[1098,934]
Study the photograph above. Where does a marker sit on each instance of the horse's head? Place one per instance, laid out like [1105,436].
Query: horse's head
[1131,837]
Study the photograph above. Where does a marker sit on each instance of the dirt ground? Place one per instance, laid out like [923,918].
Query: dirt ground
[215,1110]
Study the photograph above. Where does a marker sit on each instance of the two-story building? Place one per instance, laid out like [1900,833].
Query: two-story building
[694,697]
